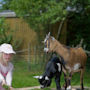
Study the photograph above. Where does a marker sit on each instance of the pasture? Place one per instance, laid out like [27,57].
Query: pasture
[23,74]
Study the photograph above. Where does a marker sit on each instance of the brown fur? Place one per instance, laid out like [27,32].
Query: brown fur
[71,56]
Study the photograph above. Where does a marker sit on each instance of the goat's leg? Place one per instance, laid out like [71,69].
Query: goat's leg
[69,81]
[65,84]
[57,80]
[81,78]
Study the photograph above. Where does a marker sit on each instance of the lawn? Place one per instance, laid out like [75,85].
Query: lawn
[23,76]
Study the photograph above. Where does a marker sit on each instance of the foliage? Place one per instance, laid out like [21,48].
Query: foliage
[4,38]
[43,12]
[79,27]
[6,34]
[6,87]
[40,12]
[6,4]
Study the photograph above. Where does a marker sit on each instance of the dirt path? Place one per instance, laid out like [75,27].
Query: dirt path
[28,88]
[38,87]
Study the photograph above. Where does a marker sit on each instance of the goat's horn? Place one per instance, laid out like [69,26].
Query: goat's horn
[49,34]
[36,76]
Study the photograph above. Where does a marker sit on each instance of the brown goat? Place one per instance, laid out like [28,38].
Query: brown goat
[74,58]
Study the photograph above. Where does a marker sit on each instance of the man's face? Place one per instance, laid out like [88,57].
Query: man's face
[7,57]
[44,81]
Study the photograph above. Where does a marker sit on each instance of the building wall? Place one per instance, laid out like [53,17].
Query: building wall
[21,31]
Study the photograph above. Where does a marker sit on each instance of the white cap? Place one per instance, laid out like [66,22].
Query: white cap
[7,48]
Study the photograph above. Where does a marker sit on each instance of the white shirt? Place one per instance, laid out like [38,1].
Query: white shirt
[6,69]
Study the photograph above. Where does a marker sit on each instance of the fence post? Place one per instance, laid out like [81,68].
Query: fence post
[29,56]
[35,57]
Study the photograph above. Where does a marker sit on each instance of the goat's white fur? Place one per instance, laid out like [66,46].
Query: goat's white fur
[59,67]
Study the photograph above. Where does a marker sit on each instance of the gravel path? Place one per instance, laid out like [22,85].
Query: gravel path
[38,87]
[28,88]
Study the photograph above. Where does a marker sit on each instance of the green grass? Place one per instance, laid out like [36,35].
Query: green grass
[23,76]
[25,79]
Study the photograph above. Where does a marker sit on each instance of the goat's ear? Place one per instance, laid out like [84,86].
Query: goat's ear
[53,38]
[35,76]
[48,34]
[46,78]
[38,77]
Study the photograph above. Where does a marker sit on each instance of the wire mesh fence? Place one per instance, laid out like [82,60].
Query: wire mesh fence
[34,59]
[31,59]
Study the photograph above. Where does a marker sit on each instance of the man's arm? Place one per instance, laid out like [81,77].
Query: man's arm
[9,78]
[2,80]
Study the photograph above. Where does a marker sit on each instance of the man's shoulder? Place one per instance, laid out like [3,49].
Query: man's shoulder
[11,65]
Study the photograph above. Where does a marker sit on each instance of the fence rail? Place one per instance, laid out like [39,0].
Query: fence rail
[33,57]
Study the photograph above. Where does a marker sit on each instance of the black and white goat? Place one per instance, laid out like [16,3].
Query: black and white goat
[53,69]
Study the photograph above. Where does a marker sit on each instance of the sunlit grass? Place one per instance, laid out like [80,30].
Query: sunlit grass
[23,76]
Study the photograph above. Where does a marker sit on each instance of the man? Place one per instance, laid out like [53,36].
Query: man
[6,67]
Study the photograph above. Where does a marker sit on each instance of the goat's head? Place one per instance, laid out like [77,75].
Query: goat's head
[49,43]
[44,81]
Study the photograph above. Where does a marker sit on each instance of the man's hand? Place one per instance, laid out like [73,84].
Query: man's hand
[3,82]
[11,88]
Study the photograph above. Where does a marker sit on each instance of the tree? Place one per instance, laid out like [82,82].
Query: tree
[81,22]
[42,13]
[6,37]
[5,4]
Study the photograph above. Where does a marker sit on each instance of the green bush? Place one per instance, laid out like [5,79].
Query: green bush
[6,87]
[78,28]
[7,38]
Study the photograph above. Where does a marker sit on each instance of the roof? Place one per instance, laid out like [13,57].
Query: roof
[77,8]
[7,13]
